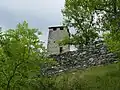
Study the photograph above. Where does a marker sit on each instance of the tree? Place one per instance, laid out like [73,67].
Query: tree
[78,15]
[21,54]
[89,17]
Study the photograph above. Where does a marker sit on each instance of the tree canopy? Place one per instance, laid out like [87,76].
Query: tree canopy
[21,55]
[89,17]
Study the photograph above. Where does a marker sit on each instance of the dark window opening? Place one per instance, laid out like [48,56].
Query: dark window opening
[54,29]
[61,28]
[61,49]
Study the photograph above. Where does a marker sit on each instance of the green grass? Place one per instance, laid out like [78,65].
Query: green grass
[95,78]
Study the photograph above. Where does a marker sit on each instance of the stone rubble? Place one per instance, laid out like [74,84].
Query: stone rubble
[91,55]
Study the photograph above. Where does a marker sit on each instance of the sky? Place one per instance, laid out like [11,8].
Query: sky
[38,13]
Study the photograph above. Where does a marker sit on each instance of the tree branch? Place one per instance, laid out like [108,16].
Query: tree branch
[11,77]
[5,75]
[114,6]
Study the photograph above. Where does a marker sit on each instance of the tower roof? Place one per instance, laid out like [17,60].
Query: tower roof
[58,26]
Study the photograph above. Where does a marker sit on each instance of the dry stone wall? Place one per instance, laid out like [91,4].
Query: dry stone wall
[91,55]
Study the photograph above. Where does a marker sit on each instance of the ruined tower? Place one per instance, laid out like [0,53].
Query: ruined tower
[55,34]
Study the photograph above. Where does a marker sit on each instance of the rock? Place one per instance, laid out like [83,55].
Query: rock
[91,59]
[85,57]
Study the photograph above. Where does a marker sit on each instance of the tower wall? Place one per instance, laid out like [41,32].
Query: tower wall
[56,34]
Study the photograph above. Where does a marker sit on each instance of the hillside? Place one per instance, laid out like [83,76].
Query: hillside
[95,78]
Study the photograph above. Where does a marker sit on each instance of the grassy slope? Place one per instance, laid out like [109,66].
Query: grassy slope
[95,78]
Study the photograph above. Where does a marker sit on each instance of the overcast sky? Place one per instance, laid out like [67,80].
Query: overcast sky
[38,13]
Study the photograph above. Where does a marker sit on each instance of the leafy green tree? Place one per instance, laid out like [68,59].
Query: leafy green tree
[21,54]
[89,17]
[110,21]
[77,15]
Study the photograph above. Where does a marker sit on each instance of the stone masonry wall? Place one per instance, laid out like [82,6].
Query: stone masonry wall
[91,55]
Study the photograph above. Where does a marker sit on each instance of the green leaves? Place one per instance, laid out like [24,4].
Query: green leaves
[111,23]
[80,15]
[21,53]
[89,17]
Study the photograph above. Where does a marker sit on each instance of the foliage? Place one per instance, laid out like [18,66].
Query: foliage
[89,17]
[107,13]
[112,40]
[79,15]
[79,40]
[111,23]
[90,79]
[21,54]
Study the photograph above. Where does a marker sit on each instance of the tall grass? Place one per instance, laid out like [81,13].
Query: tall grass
[95,78]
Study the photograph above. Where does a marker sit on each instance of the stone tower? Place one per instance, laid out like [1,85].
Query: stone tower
[55,34]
